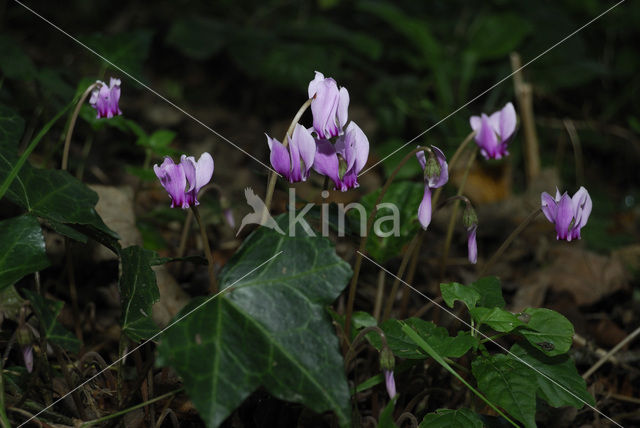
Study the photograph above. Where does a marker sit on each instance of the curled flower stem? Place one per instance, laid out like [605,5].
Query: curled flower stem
[509,240]
[363,241]
[72,125]
[452,221]
[213,283]
[271,184]
[352,348]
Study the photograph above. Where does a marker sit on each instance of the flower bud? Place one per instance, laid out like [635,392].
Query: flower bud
[469,217]
[432,168]
[387,360]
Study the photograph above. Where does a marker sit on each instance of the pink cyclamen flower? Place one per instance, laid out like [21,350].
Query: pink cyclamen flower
[436,174]
[390,383]
[342,161]
[105,98]
[175,178]
[567,213]
[329,106]
[494,132]
[294,163]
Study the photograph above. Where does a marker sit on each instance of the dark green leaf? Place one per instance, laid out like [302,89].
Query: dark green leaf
[496,318]
[437,337]
[495,36]
[14,63]
[67,231]
[10,303]
[508,384]
[138,293]
[446,418]
[22,249]
[198,37]
[271,330]
[127,50]
[547,331]
[11,127]
[551,371]
[383,243]
[386,417]
[490,292]
[455,291]
[47,312]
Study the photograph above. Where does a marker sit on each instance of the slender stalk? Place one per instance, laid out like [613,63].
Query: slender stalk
[377,307]
[271,184]
[454,214]
[363,241]
[396,283]
[213,283]
[130,409]
[577,150]
[4,420]
[32,145]
[72,125]
[509,240]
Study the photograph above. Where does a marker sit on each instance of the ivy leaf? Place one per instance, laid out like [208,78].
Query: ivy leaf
[547,331]
[490,292]
[455,291]
[437,337]
[446,418]
[496,318]
[11,125]
[509,384]
[47,312]
[405,194]
[22,249]
[138,293]
[271,330]
[560,369]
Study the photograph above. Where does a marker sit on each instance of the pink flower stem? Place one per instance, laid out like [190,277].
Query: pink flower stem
[213,283]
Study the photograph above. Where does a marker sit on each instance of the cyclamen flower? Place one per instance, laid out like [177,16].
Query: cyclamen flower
[390,383]
[436,174]
[472,246]
[329,106]
[175,177]
[302,147]
[567,213]
[105,98]
[494,132]
[342,161]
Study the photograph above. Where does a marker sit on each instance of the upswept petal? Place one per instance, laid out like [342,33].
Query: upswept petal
[442,179]
[324,108]
[564,217]
[343,107]
[204,171]
[549,206]
[279,157]
[306,147]
[326,162]
[361,146]
[313,85]
[487,139]
[582,207]
[507,122]
[189,165]
[424,210]
[422,159]
[173,179]
[476,123]
[294,155]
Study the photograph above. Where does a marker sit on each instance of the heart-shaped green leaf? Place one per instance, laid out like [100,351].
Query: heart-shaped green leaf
[446,418]
[47,312]
[22,249]
[490,292]
[496,318]
[547,331]
[138,293]
[272,329]
[455,291]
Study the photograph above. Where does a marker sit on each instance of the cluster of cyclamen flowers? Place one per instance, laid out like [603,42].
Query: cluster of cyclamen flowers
[328,147]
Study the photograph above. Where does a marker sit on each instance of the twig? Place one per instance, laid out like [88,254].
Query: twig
[615,349]
[524,94]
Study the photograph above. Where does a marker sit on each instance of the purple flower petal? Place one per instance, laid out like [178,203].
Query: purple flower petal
[390,383]
[549,206]
[173,179]
[487,140]
[306,146]
[472,246]
[581,207]
[361,145]
[442,179]
[564,218]
[476,123]
[507,122]
[279,157]
[343,107]
[422,159]
[424,210]
[326,162]
[105,99]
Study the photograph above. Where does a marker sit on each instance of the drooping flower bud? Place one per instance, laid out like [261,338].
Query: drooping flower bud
[436,174]
[469,216]
[387,359]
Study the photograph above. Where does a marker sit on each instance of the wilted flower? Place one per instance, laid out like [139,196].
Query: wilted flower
[567,213]
[342,161]
[175,177]
[390,383]
[494,132]
[295,162]
[436,174]
[105,98]
[329,106]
